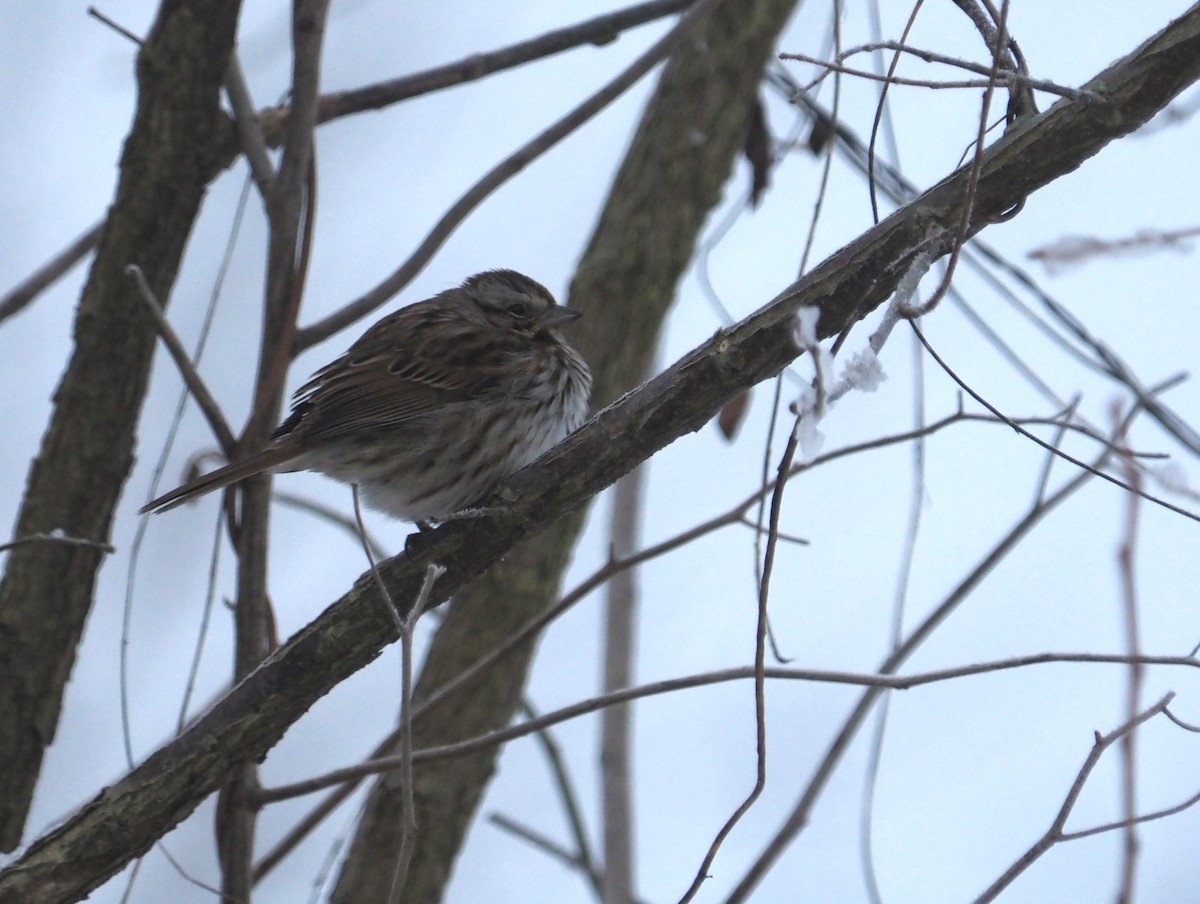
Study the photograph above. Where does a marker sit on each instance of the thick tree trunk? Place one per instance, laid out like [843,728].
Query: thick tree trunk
[76,479]
[626,281]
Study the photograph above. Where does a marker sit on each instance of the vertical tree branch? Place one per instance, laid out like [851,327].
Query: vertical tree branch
[290,210]
[76,479]
[1127,564]
[616,760]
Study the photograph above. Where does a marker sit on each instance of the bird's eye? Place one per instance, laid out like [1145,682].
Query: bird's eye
[519,309]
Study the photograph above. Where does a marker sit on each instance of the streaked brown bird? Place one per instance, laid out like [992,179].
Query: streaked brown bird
[434,405]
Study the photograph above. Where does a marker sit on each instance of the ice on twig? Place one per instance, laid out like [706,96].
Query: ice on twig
[811,439]
[804,330]
[863,371]
[809,408]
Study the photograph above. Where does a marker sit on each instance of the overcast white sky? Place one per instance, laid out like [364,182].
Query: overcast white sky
[973,770]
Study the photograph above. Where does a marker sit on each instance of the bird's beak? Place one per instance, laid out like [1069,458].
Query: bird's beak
[559,315]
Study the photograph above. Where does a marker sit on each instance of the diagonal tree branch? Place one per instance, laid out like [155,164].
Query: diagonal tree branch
[126,818]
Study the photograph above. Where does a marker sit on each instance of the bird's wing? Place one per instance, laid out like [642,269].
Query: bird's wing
[407,365]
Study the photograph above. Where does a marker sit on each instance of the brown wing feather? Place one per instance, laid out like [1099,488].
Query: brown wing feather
[407,365]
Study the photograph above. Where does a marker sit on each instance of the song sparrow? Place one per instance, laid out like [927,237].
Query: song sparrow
[434,404]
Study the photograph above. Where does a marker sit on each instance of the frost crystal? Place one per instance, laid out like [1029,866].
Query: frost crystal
[863,371]
[809,411]
[811,439]
[804,331]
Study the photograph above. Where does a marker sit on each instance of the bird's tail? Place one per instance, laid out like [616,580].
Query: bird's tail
[267,460]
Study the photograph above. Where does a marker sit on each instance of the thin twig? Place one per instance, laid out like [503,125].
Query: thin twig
[1043,481]
[876,681]
[599,30]
[881,108]
[827,164]
[1126,559]
[204,399]
[408,807]
[335,517]
[49,273]
[384,596]
[758,524]
[1186,726]
[1074,250]
[184,873]
[114,25]
[1179,510]
[245,117]
[964,221]
[570,800]
[1055,833]
[1137,820]
[1005,77]
[189,687]
[916,507]
[760,653]
[539,841]
[57,536]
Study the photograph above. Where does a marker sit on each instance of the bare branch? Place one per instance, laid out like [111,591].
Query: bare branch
[964,223]
[1126,559]
[195,384]
[1055,833]
[570,801]
[114,25]
[1116,481]
[57,537]
[1070,250]
[539,841]
[1005,78]
[599,30]
[616,729]
[245,117]
[139,807]
[49,273]
[408,810]
[879,681]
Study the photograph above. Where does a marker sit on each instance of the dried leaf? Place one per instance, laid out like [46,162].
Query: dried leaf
[758,151]
[821,135]
[732,413]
